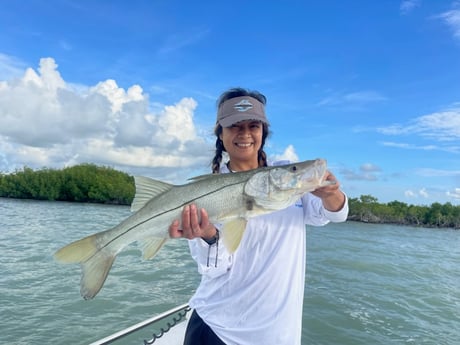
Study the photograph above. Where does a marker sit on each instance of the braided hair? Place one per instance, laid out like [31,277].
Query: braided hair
[232,93]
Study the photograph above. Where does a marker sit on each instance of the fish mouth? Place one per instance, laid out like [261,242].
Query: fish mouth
[315,175]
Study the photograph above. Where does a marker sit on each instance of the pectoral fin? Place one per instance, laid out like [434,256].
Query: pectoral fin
[233,232]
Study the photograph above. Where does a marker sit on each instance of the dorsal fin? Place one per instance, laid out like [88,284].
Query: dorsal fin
[146,189]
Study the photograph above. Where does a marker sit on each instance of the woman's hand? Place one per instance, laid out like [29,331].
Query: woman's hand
[192,224]
[332,197]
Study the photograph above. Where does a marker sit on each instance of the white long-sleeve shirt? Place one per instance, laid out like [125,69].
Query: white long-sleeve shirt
[255,295]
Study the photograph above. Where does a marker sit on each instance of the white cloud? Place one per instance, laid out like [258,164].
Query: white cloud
[415,194]
[359,98]
[117,96]
[422,192]
[455,193]
[452,19]
[10,67]
[410,194]
[408,6]
[46,121]
[288,154]
[443,126]
[369,167]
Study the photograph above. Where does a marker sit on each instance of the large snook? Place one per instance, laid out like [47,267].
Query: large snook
[230,199]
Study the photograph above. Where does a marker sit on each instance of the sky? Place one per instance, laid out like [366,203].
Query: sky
[373,87]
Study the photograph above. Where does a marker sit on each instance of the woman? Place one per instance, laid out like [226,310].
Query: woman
[255,295]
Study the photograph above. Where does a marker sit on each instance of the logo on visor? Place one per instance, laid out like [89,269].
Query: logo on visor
[243,105]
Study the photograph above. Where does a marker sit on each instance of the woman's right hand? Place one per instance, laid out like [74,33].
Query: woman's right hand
[192,224]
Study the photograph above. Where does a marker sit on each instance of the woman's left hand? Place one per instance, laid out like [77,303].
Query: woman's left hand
[331,195]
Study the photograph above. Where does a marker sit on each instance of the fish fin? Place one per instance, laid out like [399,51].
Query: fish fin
[152,246]
[94,273]
[233,232]
[95,263]
[77,251]
[146,189]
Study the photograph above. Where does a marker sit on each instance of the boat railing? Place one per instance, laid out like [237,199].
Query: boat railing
[176,314]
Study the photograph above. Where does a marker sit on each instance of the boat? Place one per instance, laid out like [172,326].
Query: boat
[169,329]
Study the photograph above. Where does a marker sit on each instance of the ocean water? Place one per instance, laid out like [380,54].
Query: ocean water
[366,284]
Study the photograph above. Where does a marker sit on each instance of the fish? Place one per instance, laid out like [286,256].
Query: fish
[229,199]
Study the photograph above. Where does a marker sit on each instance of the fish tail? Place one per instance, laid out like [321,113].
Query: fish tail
[94,273]
[95,263]
[77,251]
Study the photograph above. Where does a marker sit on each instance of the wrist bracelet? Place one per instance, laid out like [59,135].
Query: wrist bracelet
[212,240]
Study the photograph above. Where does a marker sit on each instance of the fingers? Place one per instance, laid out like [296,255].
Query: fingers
[331,196]
[208,229]
[174,230]
[195,225]
[328,189]
[204,218]
[190,222]
[191,225]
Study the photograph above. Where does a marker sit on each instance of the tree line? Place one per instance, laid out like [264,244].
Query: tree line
[99,184]
[366,208]
[80,183]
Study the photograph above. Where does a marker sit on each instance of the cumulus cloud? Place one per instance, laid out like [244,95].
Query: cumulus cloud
[288,154]
[46,121]
[410,194]
[415,194]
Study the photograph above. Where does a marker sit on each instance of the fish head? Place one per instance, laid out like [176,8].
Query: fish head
[302,176]
[280,186]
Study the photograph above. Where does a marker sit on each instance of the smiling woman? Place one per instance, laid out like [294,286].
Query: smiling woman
[238,301]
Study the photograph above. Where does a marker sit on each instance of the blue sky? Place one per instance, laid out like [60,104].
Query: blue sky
[371,86]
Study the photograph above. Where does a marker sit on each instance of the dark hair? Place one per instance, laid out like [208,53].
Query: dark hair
[232,93]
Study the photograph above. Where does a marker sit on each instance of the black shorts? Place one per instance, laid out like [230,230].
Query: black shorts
[199,333]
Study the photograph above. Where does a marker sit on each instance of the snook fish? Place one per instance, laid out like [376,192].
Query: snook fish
[230,199]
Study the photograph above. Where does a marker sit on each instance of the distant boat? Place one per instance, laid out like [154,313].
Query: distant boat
[172,334]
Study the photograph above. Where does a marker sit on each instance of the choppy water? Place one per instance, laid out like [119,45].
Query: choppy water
[366,284]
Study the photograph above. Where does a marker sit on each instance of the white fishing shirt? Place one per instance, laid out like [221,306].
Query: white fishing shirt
[255,295]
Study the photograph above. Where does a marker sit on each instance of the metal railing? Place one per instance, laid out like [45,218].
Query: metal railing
[178,314]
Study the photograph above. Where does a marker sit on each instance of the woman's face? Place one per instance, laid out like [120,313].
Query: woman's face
[243,140]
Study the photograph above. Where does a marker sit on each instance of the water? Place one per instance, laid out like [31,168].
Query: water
[366,284]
